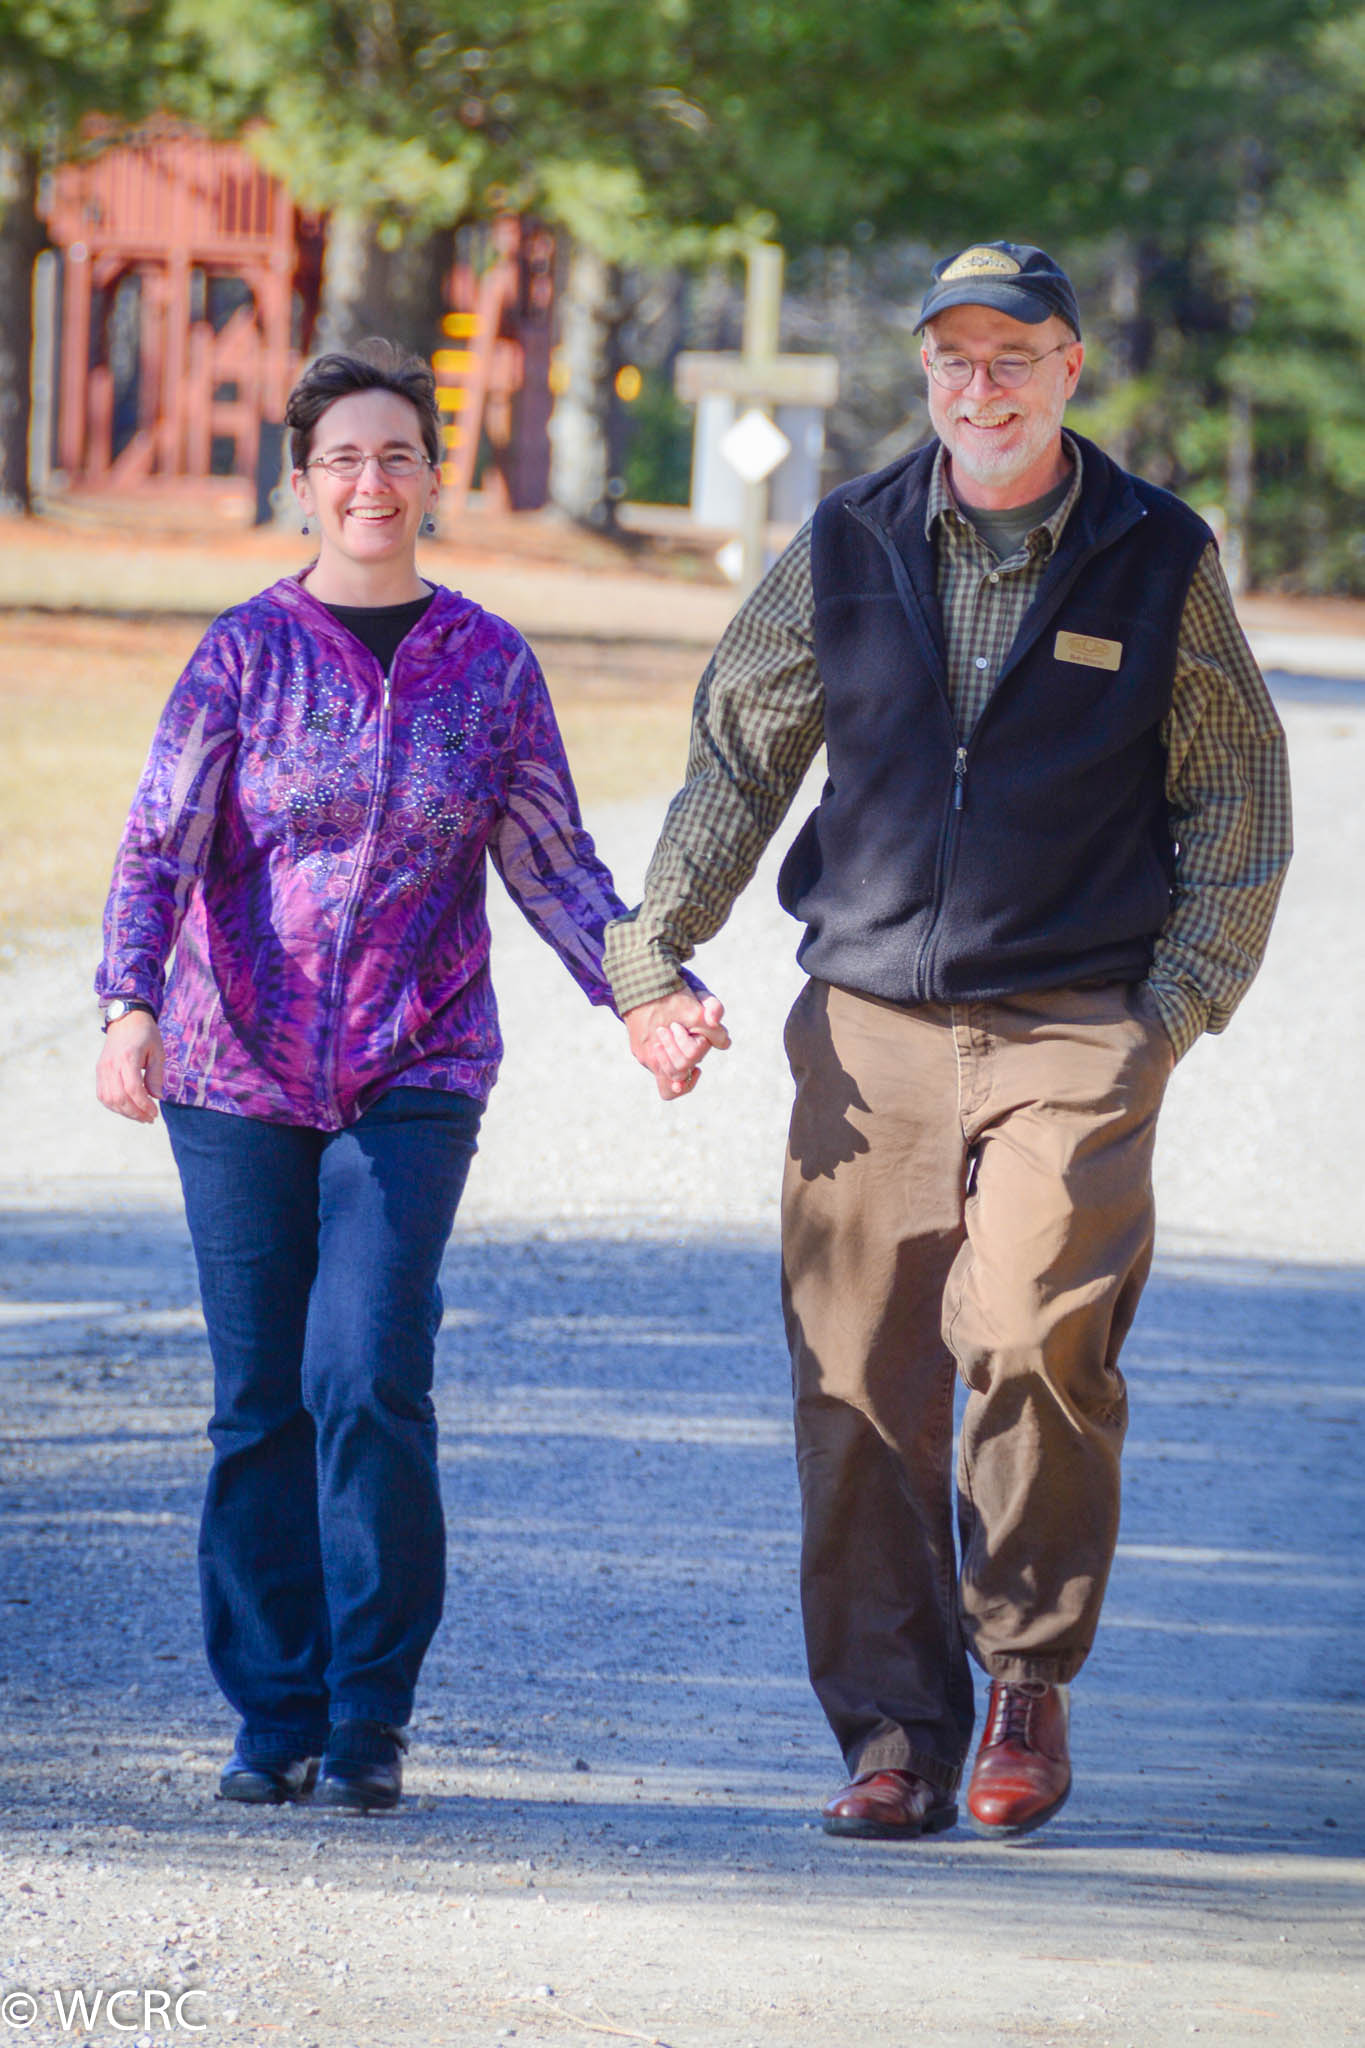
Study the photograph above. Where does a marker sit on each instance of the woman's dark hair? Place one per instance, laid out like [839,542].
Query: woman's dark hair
[373,365]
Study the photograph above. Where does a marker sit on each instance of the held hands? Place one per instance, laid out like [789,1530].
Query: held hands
[130,1067]
[673,1036]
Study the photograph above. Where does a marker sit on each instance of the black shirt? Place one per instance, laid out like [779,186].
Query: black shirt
[382,627]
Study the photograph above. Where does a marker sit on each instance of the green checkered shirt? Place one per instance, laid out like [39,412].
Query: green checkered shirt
[758,722]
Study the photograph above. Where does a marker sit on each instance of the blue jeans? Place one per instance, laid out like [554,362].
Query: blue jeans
[322,1545]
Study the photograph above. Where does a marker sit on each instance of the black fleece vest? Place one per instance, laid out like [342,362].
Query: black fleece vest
[1040,853]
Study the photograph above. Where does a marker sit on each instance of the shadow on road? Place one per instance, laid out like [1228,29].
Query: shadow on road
[1321,690]
[620,1666]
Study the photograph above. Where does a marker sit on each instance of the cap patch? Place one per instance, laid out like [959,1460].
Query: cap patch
[980,262]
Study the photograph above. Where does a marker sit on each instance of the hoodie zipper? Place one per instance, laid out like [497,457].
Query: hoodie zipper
[349,909]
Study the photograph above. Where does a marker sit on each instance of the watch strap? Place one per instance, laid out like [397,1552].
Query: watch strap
[123,1006]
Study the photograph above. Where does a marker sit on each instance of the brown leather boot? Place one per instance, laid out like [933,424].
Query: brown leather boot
[891,1806]
[1023,1767]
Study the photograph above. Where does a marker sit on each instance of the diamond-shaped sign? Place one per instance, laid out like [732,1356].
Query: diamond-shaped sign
[754,446]
[730,560]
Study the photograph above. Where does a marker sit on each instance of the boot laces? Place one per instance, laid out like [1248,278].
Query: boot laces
[1012,1710]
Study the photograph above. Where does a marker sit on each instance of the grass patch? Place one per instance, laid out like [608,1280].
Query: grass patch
[624,707]
[79,698]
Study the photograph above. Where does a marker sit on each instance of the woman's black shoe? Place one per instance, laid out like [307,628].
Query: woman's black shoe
[272,1781]
[363,1768]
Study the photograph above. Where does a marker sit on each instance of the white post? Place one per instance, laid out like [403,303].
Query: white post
[43,403]
[762,317]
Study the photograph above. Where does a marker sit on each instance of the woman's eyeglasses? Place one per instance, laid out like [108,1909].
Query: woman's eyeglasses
[349,463]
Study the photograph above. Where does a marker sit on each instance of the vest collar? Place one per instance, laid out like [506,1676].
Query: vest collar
[896,497]
[893,503]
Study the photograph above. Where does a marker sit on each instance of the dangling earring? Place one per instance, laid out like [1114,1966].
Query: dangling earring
[428,524]
[304,527]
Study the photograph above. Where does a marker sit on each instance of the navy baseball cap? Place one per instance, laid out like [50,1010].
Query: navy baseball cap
[1012,277]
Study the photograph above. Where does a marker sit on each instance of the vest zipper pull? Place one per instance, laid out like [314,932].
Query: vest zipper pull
[959,777]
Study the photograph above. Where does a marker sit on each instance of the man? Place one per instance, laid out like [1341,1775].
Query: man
[1046,858]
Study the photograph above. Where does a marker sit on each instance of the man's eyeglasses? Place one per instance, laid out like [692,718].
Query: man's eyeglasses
[1008,372]
[349,463]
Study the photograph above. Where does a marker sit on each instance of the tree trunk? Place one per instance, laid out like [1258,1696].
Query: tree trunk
[368,289]
[1241,488]
[21,238]
[1125,312]
[1241,457]
[590,315]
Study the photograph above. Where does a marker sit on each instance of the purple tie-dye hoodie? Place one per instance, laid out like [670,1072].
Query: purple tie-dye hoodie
[309,837]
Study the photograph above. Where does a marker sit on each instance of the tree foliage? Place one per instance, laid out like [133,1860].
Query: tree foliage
[63,59]
[820,116]
[1240,383]
[1197,165]
[1297,354]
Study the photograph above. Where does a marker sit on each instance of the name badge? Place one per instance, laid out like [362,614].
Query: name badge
[1088,651]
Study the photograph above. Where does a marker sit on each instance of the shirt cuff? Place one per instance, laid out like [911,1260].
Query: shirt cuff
[132,986]
[641,969]
[1183,1013]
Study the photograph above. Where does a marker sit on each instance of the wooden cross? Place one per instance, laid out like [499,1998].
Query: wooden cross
[762,378]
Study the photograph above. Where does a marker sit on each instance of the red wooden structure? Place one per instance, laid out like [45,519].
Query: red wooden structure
[494,387]
[189,290]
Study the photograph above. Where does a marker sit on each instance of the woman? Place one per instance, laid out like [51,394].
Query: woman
[308,838]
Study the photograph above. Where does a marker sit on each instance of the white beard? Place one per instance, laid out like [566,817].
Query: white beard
[1017,450]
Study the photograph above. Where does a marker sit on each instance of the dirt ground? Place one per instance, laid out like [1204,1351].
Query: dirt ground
[611,1828]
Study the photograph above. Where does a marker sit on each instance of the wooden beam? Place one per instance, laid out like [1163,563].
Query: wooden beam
[781,380]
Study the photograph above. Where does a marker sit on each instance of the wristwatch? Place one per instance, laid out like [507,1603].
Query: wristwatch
[123,1006]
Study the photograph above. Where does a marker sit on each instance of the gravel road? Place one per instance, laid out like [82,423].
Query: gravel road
[616,1764]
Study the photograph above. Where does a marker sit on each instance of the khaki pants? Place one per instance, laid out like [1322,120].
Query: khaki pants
[967,1190]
